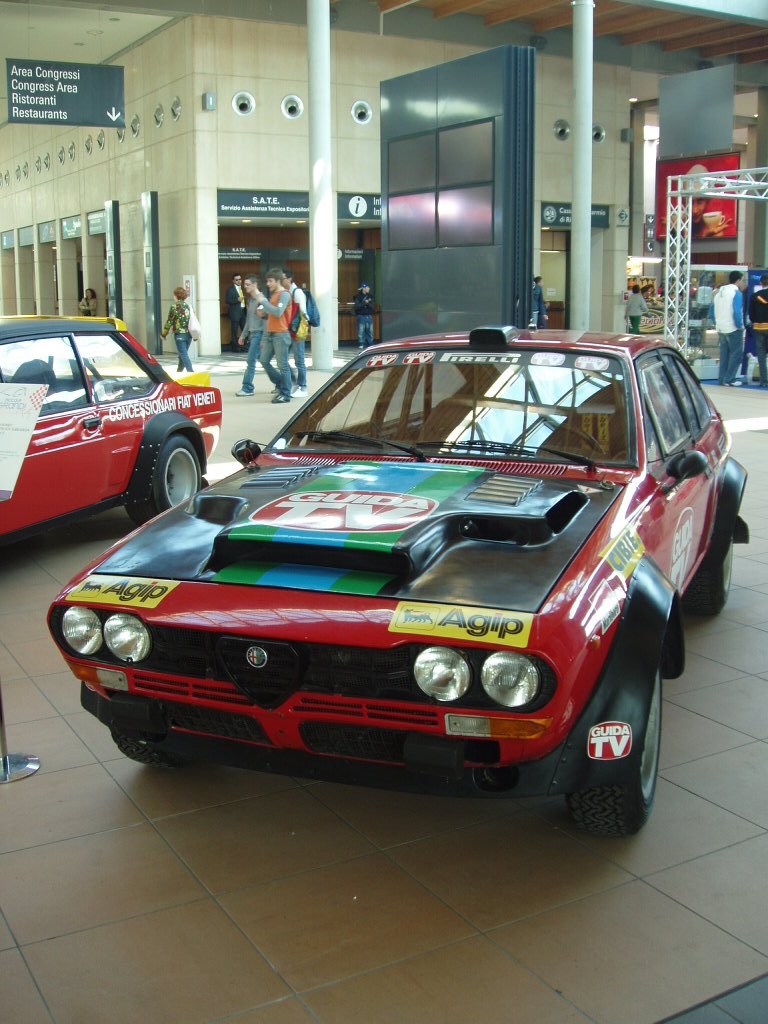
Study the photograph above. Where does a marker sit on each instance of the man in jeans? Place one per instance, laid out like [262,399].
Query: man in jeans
[364,314]
[277,338]
[298,298]
[729,323]
[253,332]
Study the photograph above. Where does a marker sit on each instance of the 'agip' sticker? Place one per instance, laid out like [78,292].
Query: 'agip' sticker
[124,591]
[486,625]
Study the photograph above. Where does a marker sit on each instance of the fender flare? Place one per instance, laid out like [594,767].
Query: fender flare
[157,430]
[648,638]
[728,527]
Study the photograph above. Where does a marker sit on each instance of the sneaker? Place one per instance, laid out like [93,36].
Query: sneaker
[300,392]
[733,383]
[280,398]
[242,393]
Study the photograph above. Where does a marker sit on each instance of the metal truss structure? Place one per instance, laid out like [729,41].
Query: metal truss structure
[681,190]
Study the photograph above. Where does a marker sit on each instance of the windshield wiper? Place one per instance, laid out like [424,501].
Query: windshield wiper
[510,449]
[379,442]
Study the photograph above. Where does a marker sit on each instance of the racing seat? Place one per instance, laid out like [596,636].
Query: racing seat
[35,371]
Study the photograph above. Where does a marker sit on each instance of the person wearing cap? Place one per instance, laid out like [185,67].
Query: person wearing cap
[364,314]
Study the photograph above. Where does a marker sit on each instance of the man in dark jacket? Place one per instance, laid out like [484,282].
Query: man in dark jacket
[758,314]
[364,314]
[235,300]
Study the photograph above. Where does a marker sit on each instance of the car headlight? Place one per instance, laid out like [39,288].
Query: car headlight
[81,628]
[442,673]
[127,637]
[510,679]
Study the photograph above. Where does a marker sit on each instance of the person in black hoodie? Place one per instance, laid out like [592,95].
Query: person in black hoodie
[758,314]
[364,314]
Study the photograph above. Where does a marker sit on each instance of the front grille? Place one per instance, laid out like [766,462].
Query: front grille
[161,686]
[349,741]
[190,664]
[360,672]
[367,711]
[269,685]
[215,723]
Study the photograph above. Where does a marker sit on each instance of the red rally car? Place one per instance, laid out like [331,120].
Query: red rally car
[459,568]
[113,429]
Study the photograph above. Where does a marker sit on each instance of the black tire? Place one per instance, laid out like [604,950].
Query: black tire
[623,810]
[709,588]
[176,478]
[139,750]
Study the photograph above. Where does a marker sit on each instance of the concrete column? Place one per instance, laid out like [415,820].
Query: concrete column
[25,279]
[45,284]
[637,181]
[8,282]
[323,264]
[760,250]
[66,277]
[581,225]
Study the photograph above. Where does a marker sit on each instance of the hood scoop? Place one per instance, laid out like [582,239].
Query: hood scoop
[505,490]
[367,529]
[281,476]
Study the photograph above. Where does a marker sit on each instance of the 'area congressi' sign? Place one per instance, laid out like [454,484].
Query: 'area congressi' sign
[41,92]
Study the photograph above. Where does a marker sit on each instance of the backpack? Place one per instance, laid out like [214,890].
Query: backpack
[313,313]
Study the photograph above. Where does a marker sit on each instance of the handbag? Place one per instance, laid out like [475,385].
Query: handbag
[194,325]
[302,330]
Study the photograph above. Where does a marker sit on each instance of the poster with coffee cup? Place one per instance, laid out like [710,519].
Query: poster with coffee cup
[711,216]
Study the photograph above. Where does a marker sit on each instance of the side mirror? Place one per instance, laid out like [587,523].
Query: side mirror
[246,452]
[688,464]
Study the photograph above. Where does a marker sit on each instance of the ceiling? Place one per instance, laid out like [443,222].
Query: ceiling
[652,40]
[711,38]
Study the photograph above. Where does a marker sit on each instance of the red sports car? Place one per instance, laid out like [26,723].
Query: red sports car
[114,428]
[460,567]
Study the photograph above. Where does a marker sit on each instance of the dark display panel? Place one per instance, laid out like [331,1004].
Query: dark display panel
[412,221]
[466,154]
[412,163]
[465,216]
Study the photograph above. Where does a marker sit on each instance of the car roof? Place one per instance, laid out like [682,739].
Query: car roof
[48,326]
[621,345]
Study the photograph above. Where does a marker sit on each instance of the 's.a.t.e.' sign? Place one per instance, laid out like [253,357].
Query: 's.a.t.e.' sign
[41,92]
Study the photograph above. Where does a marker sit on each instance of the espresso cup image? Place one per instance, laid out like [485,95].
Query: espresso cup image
[714,219]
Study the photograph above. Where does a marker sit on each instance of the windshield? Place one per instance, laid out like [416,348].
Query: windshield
[546,402]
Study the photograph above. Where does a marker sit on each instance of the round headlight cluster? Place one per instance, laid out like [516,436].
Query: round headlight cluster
[126,637]
[442,673]
[510,679]
[82,630]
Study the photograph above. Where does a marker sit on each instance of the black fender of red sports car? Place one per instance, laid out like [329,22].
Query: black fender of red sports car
[157,430]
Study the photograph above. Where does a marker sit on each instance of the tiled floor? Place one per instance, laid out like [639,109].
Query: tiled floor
[210,895]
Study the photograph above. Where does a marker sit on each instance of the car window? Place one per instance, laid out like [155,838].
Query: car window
[662,405]
[112,371]
[690,383]
[682,392]
[50,361]
[574,402]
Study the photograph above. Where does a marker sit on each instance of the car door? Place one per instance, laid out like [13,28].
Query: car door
[677,523]
[67,462]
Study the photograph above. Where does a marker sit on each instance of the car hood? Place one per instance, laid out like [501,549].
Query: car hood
[410,531]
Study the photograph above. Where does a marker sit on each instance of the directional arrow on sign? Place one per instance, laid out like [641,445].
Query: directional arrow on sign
[113,114]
